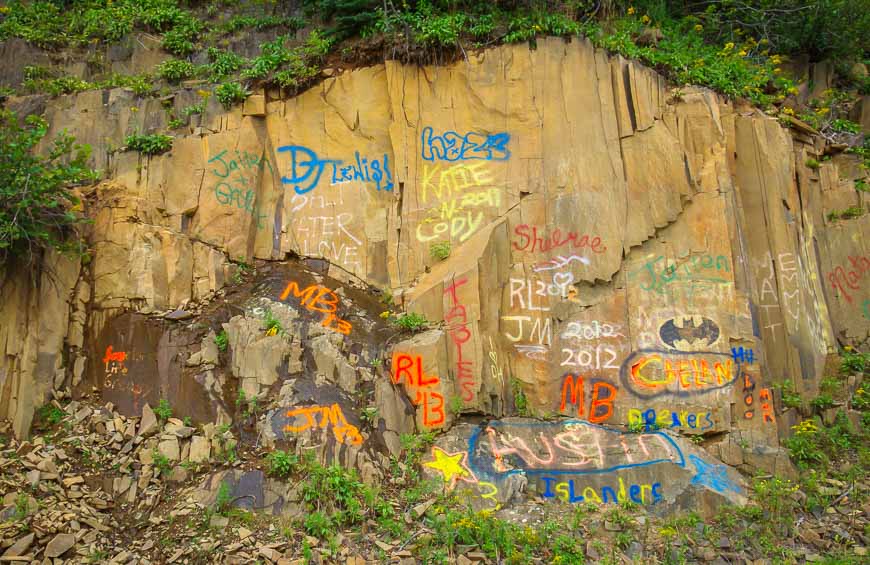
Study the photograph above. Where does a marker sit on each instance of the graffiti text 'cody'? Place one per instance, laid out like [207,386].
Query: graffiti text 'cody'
[420,387]
[319,299]
[306,169]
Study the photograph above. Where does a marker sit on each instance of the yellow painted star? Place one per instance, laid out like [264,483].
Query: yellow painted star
[451,465]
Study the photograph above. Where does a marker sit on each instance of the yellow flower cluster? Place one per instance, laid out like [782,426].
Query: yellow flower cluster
[385,314]
[645,19]
[805,428]
[631,10]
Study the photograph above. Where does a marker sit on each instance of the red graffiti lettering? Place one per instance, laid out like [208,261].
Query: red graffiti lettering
[573,393]
[460,334]
[528,235]
[419,387]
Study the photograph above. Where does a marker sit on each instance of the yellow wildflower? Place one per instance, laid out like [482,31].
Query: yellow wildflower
[645,19]
[134,109]
[776,59]
[729,46]
[793,90]
[738,31]
[742,52]
[272,331]
[788,111]
[777,70]
[385,314]
[823,111]
[699,27]
[5,9]
[762,41]
[631,10]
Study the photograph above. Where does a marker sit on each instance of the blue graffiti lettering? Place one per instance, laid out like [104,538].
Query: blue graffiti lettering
[742,355]
[451,146]
[571,492]
[712,475]
[306,170]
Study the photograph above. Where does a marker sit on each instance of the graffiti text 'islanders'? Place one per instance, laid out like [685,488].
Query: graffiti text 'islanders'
[651,372]
[306,169]
[451,146]
[319,299]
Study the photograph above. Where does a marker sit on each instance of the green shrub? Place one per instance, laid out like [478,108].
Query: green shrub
[853,362]
[37,209]
[281,463]
[50,414]
[822,402]
[163,410]
[222,340]
[223,500]
[175,70]
[411,321]
[521,402]
[273,324]
[231,93]
[790,397]
[223,64]
[148,144]
[849,213]
[440,251]
[812,164]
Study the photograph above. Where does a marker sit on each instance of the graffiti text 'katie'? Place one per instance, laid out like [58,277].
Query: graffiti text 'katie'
[306,170]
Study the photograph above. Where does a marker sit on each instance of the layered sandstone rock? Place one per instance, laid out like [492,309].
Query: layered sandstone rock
[616,255]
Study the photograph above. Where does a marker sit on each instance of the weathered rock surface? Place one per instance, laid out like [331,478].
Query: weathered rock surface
[613,258]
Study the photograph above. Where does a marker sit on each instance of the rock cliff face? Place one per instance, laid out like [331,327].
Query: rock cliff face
[648,264]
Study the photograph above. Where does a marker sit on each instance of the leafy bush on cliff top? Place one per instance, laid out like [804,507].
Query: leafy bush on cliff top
[37,209]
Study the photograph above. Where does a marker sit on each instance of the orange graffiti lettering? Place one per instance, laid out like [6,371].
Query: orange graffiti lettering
[418,385]
[319,299]
[573,393]
[343,431]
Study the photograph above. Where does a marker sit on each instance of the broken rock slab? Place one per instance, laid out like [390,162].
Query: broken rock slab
[575,461]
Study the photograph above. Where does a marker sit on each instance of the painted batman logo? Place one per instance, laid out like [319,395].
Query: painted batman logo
[685,328]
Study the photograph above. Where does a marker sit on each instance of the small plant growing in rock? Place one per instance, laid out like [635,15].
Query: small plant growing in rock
[456,404]
[410,321]
[790,398]
[369,415]
[440,251]
[22,506]
[163,410]
[223,500]
[281,463]
[812,164]
[50,414]
[853,362]
[222,340]
[273,324]
[231,93]
[175,70]
[161,462]
[822,402]
[153,144]
[521,403]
